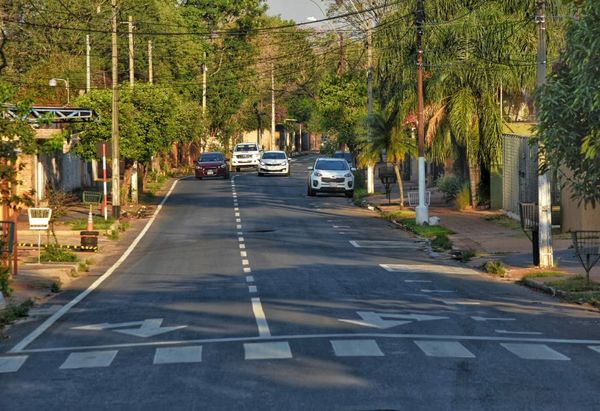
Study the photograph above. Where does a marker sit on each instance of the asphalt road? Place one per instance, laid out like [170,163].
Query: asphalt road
[247,294]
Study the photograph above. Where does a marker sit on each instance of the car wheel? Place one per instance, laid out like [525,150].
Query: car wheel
[237,169]
[311,192]
[350,193]
[260,174]
[226,176]
[288,173]
[198,178]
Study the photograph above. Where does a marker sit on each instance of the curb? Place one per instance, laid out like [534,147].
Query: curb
[544,288]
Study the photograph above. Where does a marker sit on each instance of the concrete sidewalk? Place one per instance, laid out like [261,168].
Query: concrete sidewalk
[493,236]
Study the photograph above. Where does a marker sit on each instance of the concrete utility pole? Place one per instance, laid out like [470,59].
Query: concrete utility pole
[131,62]
[88,65]
[204,70]
[370,168]
[342,64]
[544,186]
[272,106]
[421,209]
[134,171]
[150,68]
[116,189]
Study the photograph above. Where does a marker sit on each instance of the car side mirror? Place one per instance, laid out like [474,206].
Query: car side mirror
[353,169]
[310,168]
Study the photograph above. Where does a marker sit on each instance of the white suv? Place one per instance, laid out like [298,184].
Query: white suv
[332,175]
[245,155]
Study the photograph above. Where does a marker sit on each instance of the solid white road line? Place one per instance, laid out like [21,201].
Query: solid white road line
[57,315]
[517,332]
[261,320]
[417,281]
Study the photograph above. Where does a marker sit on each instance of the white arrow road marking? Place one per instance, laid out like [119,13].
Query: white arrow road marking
[492,319]
[377,320]
[148,328]
[518,332]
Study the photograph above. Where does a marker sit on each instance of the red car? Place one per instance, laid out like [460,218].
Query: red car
[212,165]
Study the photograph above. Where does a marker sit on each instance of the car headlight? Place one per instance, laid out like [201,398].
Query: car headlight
[348,175]
[318,174]
[223,165]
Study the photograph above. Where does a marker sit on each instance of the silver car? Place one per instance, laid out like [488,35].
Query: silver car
[331,175]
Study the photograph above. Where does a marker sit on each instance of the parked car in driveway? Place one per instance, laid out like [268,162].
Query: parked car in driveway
[274,162]
[212,164]
[245,155]
[332,175]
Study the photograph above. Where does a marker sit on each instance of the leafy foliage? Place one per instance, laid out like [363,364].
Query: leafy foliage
[569,128]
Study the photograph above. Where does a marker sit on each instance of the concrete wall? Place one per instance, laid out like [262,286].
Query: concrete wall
[575,216]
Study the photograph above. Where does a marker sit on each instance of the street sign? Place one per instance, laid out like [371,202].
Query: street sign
[39,218]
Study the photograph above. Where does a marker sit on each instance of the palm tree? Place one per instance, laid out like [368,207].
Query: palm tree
[387,134]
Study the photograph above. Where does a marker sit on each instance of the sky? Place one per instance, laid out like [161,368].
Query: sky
[297,10]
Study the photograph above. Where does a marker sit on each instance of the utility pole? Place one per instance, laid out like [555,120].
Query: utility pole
[150,68]
[204,70]
[272,106]
[116,189]
[88,65]
[134,171]
[342,64]
[544,186]
[421,209]
[370,168]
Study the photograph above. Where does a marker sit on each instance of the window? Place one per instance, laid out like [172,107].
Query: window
[331,165]
[210,157]
[246,147]
[274,156]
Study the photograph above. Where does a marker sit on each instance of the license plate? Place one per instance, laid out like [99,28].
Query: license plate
[210,172]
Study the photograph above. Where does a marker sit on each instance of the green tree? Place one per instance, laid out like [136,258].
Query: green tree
[569,108]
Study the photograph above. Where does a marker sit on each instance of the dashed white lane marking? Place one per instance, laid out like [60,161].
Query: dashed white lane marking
[460,302]
[238,220]
[12,364]
[356,348]
[90,359]
[239,226]
[448,349]
[252,289]
[261,320]
[240,233]
[236,209]
[417,281]
[245,262]
[177,355]
[427,268]
[237,214]
[249,279]
[436,291]
[517,332]
[243,254]
[247,270]
[242,246]
[341,226]
[534,352]
[241,239]
[267,351]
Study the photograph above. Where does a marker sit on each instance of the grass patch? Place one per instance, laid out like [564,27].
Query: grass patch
[55,254]
[99,224]
[544,274]
[399,214]
[575,284]
[13,312]
[428,231]
[465,255]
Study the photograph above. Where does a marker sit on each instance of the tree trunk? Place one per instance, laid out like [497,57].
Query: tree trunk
[175,155]
[399,181]
[474,178]
[126,183]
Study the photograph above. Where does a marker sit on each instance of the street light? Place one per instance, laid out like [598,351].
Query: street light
[53,83]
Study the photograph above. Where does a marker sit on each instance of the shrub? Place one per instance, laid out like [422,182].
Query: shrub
[441,241]
[463,197]
[55,254]
[449,186]
[494,267]
[5,281]
[56,286]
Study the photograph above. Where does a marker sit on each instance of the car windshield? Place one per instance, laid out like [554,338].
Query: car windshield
[331,165]
[209,157]
[273,156]
[246,147]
